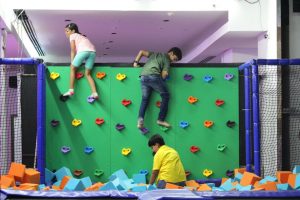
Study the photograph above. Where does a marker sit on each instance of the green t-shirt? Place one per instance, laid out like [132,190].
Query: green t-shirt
[156,63]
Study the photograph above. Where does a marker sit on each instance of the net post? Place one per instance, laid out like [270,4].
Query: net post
[41,96]
[247,118]
[255,116]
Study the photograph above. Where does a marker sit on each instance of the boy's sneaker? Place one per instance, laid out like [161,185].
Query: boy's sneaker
[163,123]
[140,123]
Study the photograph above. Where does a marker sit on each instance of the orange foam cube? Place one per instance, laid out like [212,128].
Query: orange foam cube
[31,176]
[17,170]
[28,186]
[95,187]
[249,179]
[283,176]
[224,180]
[192,183]
[172,186]
[204,187]
[292,180]
[269,186]
[54,187]
[7,181]
[64,182]
[239,170]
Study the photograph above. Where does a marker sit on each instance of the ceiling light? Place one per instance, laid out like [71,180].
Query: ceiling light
[67,20]
[113,33]
[110,41]
[166,20]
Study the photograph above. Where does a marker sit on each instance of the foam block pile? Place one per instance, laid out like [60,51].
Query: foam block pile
[21,178]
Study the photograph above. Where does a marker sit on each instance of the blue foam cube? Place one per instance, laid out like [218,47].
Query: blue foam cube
[284,186]
[108,186]
[49,175]
[118,174]
[139,188]
[139,178]
[86,182]
[296,169]
[64,171]
[74,185]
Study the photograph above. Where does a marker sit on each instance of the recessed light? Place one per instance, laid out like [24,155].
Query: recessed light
[107,48]
[104,54]
[166,20]
[67,20]
[113,33]
[110,41]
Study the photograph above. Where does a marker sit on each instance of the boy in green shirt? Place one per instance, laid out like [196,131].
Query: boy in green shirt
[154,72]
[167,166]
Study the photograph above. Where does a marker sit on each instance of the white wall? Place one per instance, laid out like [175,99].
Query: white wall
[294,33]
[238,55]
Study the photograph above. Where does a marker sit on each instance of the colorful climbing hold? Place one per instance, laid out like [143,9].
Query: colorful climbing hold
[120,127]
[88,150]
[54,123]
[99,121]
[192,99]
[126,102]
[65,149]
[158,104]
[183,124]
[100,75]
[221,147]
[98,172]
[120,76]
[126,151]
[77,172]
[76,122]
[54,75]
[78,75]
[207,78]
[219,102]
[230,124]
[188,77]
[194,149]
[208,123]
[228,76]
[207,172]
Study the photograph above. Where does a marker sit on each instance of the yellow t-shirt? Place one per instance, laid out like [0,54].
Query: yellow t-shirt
[168,162]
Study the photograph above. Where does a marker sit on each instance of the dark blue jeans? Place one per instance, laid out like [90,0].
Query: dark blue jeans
[156,83]
[162,184]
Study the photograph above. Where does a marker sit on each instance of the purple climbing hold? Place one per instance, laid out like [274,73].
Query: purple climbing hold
[228,76]
[120,127]
[188,77]
[90,99]
[144,130]
[65,149]
[230,173]
[54,123]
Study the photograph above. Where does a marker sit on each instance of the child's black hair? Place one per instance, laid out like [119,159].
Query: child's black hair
[156,139]
[176,51]
[73,26]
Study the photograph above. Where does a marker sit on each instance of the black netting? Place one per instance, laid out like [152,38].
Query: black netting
[10,120]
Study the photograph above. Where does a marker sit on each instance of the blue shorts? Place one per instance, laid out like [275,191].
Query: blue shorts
[87,56]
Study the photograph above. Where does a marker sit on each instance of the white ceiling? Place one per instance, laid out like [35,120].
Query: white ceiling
[135,30]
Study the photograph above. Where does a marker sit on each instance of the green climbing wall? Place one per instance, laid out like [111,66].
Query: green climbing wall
[109,142]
